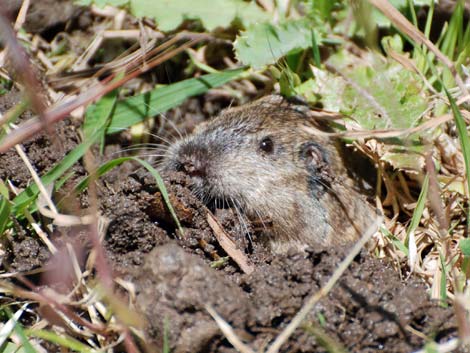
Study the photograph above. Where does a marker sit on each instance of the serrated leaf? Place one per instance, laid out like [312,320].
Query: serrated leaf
[262,44]
[169,14]
[377,94]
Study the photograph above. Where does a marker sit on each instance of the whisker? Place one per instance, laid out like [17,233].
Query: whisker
[162,116]
[166,142]
[241,219]
[132,149]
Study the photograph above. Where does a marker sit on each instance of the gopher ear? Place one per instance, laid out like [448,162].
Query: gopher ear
[313,155]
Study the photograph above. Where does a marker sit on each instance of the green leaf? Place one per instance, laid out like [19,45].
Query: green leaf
[464,245]
[464,141]
[262,44]
[443,284]
[378,94]
[98,117]
[395,241]
[103,169]
[169,14]
[135,109]
[431,347]
[5,211]
[62,341]
[419,208]
[463,135]
[28,348]
[166,330]
[454,31]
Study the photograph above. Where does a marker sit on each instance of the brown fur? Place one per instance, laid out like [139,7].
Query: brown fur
[301,187]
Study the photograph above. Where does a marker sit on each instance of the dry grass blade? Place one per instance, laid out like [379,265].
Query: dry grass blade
[228,245]
[228,332]
[42,189]
[416,35]
[386,133]
[310,303]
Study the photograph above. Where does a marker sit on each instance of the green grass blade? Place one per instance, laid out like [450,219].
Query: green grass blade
[429,18]
[26,345]
[133,110]
[411,7]
[103,169]
[98,117]
[443,284]
[454,31]
[166,334]
[5,211]
[163,190]
[25,198]
[464,245]
[463,136]
[5,208]
[315,50]
[395,241]
[419,208]
[62,341]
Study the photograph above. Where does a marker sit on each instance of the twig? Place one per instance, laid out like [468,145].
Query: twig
[227,330]
[228,245]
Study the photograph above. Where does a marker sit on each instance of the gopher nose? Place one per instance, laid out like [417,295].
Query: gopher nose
[194,167]
[193,160]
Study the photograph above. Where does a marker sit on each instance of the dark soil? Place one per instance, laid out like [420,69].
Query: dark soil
[178,276]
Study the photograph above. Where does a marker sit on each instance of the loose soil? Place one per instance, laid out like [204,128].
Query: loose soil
[179,275]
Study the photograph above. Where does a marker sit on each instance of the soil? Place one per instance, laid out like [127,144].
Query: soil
[179,275]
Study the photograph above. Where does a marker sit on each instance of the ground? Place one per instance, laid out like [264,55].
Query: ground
[178,276]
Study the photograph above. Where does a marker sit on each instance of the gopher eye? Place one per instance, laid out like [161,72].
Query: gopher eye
[267,145]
